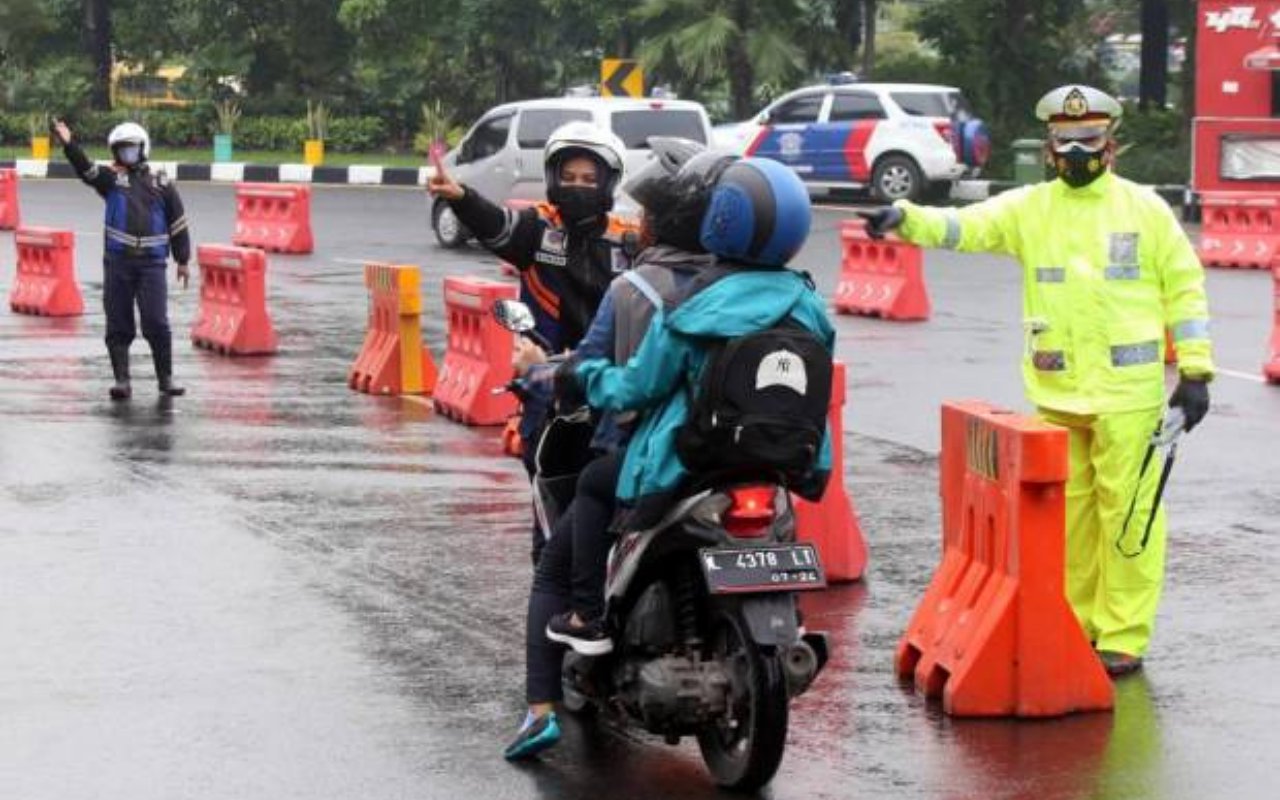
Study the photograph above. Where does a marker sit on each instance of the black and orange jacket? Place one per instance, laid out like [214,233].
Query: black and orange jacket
[564,274]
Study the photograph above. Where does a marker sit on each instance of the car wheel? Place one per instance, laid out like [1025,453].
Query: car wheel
[897,178]
[449,230]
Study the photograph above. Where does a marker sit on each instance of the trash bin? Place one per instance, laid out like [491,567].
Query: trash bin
[1028,161]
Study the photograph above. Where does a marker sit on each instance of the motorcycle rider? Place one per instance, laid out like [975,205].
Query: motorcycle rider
[751,291]
[145,223]
[671,263]
[567,249]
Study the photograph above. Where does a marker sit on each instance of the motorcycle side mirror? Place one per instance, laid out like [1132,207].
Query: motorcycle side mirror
[514,316]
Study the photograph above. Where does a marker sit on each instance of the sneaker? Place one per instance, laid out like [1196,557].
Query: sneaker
[588,639]
[1119,664]
[536,734]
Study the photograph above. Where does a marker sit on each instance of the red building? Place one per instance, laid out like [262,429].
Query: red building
[1236,132]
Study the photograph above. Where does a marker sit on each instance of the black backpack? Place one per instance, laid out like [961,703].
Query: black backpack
[760,405]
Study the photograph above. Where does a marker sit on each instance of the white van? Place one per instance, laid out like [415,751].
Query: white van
[501,156]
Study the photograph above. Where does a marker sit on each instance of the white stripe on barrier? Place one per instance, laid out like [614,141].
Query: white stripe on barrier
[425,174]
[228,172]
[364,174]
[35,239]
[295,173]
[30,168]
[169,168]
[464,300]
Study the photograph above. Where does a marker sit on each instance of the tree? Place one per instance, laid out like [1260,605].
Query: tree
[738,41]
[1006,53]
[96,34]
[1154,70]
[868,38]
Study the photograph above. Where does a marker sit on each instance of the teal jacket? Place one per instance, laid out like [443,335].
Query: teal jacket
[671,355]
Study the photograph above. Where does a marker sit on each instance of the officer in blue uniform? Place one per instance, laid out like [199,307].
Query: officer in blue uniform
[145,223]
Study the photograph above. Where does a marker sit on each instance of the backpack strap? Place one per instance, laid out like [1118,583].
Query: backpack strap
[644,287]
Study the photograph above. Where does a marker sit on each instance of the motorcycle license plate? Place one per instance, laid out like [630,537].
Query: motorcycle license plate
[773,568]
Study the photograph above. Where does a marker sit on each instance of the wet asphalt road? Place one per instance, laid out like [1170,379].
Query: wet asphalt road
[277,588]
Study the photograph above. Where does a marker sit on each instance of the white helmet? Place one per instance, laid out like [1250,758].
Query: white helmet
[584,137]
[130,133]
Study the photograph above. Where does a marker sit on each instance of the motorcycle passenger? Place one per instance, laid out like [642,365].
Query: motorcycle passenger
[567,249]
[753,292]
[670,265]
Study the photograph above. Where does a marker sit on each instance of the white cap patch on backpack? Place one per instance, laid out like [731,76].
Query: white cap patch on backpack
[782,368]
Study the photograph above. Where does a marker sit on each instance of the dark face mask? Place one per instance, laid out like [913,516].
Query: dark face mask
[580,206]
[1079,168]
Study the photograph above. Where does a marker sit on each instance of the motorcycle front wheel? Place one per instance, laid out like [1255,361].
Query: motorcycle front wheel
[744,748]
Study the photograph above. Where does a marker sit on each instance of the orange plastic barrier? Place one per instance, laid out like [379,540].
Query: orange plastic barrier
[478,358]
[392,359]
[994,634]
[274,217]
[1239,229]
[1272,368]
[831,524]
[511,442]
[45,284]
[9,216]
[880,278]
[233,317]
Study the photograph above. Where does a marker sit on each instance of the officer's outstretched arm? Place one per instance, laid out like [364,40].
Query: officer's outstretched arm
[100,179]
[511,235]
[986,227]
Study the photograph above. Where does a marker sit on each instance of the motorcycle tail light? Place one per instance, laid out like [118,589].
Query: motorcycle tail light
[751,512]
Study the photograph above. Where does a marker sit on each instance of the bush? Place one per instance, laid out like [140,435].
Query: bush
[194,128]
[271,133]
[356,134]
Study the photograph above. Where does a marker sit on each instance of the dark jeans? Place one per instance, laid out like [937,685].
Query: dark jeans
[548,597]
[572,561]
[128,282]
[593,513]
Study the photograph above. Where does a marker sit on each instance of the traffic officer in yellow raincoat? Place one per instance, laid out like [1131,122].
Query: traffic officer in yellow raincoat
[1107,269]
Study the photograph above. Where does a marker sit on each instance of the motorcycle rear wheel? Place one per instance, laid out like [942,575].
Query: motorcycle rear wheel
[744,750]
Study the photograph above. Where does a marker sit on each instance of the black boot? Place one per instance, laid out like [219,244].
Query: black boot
[121,390]
[162,356]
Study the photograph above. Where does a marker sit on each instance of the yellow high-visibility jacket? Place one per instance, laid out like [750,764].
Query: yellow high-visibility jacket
[1106,270]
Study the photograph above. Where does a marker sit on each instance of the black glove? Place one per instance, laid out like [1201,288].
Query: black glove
[1193,395]
[882,220]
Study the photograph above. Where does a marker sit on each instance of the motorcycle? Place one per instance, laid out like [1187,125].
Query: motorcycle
[708,637]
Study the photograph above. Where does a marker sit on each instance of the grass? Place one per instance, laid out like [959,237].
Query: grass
[204,155]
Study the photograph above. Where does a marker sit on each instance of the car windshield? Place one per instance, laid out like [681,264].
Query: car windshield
[635,127]
[537,124]
[927,104]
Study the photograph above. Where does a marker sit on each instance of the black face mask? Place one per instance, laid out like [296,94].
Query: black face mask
[580,206]
[1079,168]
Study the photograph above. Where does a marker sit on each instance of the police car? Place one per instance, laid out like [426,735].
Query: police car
[901,140]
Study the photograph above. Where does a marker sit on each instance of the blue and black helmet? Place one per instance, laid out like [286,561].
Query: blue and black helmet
[759,213]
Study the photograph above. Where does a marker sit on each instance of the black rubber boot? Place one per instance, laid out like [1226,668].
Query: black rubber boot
[162,355]
[120,390]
